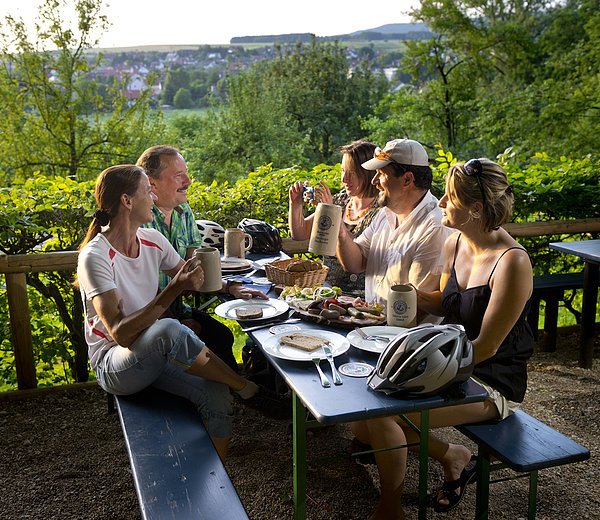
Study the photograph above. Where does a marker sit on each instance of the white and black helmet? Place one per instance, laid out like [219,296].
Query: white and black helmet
[213,234]
[424,360]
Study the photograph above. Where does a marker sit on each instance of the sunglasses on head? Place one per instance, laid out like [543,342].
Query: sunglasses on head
[382,155]
[473,168]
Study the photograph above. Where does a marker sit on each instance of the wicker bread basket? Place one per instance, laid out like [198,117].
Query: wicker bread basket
[277,274]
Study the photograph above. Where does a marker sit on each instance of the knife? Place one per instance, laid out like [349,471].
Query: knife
[337,380]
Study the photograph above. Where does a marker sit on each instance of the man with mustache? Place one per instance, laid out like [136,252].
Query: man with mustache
[404,243]
[174,218]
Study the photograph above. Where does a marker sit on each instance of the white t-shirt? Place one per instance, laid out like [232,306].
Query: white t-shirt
[101,268]
[408,252]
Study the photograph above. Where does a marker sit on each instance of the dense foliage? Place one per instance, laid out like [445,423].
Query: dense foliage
[55,117]
[298,108]
[498,74]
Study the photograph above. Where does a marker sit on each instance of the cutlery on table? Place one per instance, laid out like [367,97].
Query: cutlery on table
[337,380]
[324,381]
[371,337]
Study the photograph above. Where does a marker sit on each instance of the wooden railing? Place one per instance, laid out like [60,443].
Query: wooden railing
[15,267]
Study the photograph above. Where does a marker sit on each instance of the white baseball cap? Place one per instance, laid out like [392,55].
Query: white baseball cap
[402,151]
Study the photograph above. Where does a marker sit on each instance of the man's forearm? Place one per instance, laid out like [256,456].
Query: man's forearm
[350,254]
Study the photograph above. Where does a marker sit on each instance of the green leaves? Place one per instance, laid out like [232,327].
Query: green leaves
[262,194]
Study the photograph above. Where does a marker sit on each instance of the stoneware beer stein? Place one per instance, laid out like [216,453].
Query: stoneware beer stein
[402,306]
[325,229]
[237,243]
[210,260]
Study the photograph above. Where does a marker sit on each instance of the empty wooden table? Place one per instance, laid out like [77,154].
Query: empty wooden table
[589,252]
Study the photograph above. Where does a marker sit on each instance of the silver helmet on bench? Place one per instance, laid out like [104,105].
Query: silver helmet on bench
[424,360]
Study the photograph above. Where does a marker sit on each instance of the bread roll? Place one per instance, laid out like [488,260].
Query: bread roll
[302,266]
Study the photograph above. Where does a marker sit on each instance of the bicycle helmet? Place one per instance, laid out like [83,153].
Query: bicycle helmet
[265,237]
[424,360]
[213,234]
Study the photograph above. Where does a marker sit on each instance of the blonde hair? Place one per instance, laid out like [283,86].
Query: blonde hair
[490,187]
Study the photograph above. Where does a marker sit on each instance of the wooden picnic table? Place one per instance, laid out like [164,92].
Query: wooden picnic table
[589,252]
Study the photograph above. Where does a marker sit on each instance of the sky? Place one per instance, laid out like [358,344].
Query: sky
[183,22]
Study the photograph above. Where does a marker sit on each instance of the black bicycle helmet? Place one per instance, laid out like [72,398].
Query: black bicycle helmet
[424,360]
[213,234]
[265,237]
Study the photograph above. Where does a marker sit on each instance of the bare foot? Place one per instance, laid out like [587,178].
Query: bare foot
[455,460]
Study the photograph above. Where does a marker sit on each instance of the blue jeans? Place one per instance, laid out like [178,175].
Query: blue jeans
[159,357]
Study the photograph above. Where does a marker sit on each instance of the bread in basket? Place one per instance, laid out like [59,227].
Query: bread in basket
[293,271]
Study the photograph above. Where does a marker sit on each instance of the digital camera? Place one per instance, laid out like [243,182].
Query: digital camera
[308,193]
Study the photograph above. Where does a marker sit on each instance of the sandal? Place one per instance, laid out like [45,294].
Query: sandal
[448,489]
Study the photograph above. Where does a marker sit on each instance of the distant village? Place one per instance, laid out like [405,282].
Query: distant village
[148,69]
[199,69]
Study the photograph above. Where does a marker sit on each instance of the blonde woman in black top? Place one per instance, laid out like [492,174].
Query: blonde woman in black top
[485,286]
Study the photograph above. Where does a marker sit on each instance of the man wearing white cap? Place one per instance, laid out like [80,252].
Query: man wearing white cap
[404,243]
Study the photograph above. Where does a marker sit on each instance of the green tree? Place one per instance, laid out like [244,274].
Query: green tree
[500,74]
[183,99]
[296,109]
[55,120]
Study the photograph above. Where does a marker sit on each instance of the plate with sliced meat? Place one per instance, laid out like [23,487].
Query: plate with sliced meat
[303,346]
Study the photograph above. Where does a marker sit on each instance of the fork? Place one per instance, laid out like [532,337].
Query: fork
[324,381]
[370,337]
[337,380]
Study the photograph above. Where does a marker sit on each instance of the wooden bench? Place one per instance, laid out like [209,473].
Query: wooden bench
[550,288]
[176,470]
[523,444]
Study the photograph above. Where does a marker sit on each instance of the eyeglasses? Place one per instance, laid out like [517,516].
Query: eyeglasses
[473,168]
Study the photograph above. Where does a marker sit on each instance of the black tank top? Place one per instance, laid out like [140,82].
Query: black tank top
[506,371]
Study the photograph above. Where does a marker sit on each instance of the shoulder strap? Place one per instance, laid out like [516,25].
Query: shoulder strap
[499,258]
[456,250]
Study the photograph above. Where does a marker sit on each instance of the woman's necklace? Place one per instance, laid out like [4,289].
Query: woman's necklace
[360,215]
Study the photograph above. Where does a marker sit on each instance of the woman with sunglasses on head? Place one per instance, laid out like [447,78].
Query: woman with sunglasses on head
[358,200]
[486,285]
[130,346]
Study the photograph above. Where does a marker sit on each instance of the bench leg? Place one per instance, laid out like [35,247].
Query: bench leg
[483,486]
[551,321]
[110,403]
[532,501]
[533,317]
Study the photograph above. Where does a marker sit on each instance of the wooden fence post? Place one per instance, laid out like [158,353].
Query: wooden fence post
[18,306]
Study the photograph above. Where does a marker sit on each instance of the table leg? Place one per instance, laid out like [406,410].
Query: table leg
[299,456]
[588,315]
[423,464]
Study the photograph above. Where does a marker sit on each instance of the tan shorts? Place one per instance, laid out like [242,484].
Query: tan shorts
[502,404]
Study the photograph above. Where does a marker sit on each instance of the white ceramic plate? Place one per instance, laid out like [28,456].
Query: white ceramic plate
[270,308]
[373,345]
[338,343]
[235,265]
